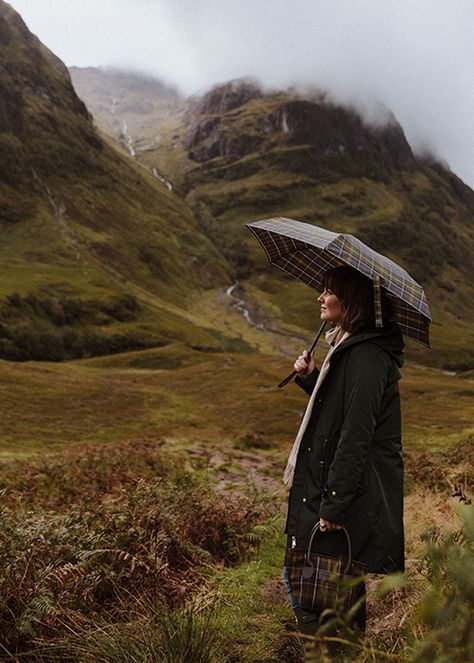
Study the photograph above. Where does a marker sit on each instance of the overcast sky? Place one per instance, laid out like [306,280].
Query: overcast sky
[414,56]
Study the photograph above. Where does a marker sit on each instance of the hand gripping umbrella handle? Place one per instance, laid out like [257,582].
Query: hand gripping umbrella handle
[292,375]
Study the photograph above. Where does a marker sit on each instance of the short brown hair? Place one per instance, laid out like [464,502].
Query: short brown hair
[356,292]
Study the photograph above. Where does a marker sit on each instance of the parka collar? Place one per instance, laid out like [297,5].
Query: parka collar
[390,340]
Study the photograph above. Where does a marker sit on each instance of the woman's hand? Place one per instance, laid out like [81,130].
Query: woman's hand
[304,365]
[328,526]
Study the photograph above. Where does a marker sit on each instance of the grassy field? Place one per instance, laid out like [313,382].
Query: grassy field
[109,462]
[177,391]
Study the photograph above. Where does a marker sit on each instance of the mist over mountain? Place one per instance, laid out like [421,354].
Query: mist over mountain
[412,57]
[110,85]
[239,152]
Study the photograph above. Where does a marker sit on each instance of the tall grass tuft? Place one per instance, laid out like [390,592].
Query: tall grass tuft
[156,634]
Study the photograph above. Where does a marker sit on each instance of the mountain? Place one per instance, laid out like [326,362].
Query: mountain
[122,101]
[97,254]
[238,153]
[102,253]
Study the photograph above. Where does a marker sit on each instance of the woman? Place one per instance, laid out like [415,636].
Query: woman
[346,466]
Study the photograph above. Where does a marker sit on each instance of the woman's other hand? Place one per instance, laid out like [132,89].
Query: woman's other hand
[304,365]
[328,526]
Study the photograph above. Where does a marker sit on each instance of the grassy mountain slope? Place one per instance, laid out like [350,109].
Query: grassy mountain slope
[277,155]
[167,391]
[97,255]
[237,154]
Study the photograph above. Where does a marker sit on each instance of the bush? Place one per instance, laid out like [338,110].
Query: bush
[123,309]
[448,606]
[127,526]
[26,341]
[160,635]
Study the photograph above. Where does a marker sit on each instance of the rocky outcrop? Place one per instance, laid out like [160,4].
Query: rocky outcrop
[335,130]
[209,134]
[331,137]
[224,98]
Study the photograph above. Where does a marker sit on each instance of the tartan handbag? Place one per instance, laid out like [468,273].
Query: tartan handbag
[320,581]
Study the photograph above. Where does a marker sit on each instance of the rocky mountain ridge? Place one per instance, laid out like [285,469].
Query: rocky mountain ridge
[334,132]
[237,154]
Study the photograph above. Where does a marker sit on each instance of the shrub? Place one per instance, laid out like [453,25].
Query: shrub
[448,606]
[26,341]
[158,635]
[123,309]
[126,525]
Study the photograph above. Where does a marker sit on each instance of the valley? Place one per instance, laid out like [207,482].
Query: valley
[142,338]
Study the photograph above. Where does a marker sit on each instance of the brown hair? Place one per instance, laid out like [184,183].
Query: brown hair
[356,292]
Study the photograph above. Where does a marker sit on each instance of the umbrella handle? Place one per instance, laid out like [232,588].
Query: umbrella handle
[292,375]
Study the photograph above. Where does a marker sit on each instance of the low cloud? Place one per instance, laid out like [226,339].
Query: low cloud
[411,57]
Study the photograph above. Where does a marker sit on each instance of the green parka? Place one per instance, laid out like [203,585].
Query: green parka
[349,468]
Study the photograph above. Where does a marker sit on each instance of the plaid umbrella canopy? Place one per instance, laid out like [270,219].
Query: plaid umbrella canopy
[307,252]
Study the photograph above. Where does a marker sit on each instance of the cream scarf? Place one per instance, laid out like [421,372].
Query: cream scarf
[334,337]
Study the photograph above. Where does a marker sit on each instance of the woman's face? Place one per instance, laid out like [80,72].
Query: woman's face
[331,307]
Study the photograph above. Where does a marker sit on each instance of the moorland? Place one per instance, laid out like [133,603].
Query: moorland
[142,338]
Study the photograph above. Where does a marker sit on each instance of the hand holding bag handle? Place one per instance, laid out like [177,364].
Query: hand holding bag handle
[308,568]
[318,579]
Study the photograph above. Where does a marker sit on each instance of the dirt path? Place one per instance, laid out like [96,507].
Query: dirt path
[238,469]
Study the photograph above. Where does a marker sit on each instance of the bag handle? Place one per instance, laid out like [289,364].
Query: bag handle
[315,530]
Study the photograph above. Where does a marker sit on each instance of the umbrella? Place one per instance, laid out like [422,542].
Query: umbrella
[307,252]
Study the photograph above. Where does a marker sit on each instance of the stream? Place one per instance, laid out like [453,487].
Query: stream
[239,305]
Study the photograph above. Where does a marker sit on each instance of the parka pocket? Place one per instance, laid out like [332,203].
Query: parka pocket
[312,500]
[328,449]
[320,457]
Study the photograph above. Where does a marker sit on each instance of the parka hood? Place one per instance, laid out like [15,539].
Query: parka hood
[390,340]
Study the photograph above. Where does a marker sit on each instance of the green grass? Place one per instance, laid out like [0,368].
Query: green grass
[252,620]
[174,391]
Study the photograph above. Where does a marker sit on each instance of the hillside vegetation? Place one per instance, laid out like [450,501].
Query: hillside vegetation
[238,154]
[142,509]
[97,255]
